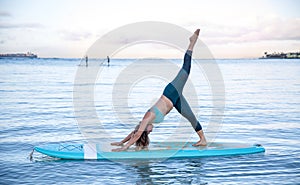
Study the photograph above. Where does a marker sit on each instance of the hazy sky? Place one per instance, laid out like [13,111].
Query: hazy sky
[230,28]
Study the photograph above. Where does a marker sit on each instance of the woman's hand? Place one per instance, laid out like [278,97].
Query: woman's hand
[119,149]
[117,144]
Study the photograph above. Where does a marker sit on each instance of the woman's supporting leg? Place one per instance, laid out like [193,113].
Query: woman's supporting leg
[183,107]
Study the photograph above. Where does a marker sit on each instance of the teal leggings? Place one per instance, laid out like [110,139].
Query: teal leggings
[173,91]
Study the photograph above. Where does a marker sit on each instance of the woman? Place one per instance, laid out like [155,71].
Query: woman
[171,97]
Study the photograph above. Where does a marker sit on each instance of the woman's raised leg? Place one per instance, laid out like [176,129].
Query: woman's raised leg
[183,74]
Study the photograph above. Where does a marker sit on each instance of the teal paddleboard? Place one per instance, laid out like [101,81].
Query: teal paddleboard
[155,151]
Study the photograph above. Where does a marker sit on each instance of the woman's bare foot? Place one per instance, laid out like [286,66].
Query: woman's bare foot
[202,141]
[193,39]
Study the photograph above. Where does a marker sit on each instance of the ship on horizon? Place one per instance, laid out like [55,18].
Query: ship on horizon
[19,55]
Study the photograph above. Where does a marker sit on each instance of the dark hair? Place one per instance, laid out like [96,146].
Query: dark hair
[144,140]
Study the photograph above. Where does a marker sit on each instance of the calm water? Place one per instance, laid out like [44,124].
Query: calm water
[262,106]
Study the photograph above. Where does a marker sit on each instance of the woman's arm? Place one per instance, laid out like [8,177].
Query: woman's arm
[149,116]
[123,141]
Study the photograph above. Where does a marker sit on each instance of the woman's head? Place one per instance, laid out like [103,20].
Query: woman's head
[144,140]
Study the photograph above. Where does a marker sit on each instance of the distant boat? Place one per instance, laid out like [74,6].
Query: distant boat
[291,55]
[19,55]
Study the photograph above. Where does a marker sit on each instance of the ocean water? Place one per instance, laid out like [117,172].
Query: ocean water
[262,106]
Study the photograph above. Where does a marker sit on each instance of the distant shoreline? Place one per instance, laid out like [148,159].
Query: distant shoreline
[18,55]
[281,55]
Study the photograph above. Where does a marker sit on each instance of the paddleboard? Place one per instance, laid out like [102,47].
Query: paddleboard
[155,151]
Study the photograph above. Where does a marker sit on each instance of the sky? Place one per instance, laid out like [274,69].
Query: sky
[229,28]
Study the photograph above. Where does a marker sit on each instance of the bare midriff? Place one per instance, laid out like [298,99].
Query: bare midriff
[164,105]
